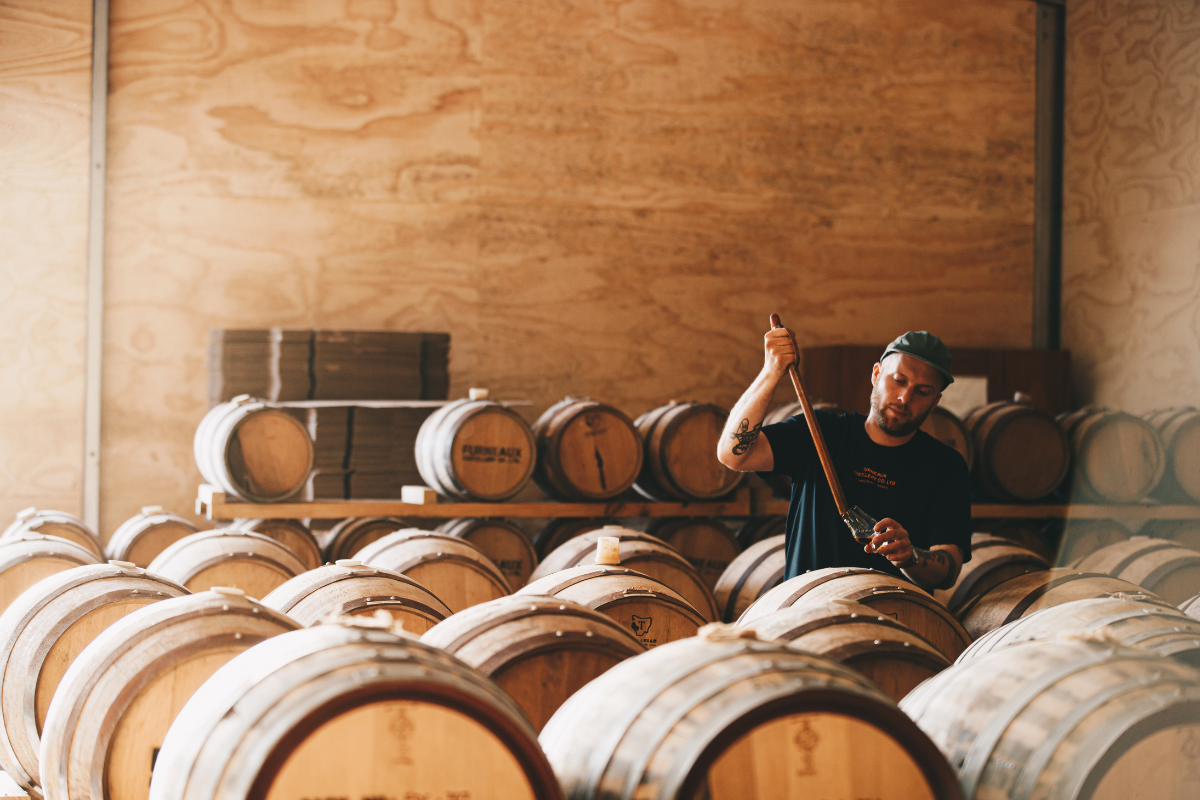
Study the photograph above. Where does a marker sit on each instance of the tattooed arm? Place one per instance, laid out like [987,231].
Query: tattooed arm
[741,447]
[935,568]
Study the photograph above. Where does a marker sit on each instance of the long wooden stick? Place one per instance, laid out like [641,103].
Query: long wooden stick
[814,428]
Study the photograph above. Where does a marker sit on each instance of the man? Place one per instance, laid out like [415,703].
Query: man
[917,487]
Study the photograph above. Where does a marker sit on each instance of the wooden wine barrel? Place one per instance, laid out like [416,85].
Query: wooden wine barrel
[1165,568]
[586,450]
[707,544]
[1029,534]
[143,536]
[756,529]
[452,569]
[1020,452]
[1115,457]
[1191,607]
[947,428]
[796,409]
[335,711]
[291,533]
[503,542]
[857,636]
[1183,532]
[249,449]
[561,529]
[885,594]
[26,558]
[55,523]
[116,701]
[641,552]
[353,534]
[41,635]
[680,461]
[476,450]
[1158,627]
[758,570]
[254,563]
[1066,720]
[654,613]
[540,650]
[348,588]
[1023,595]
[993,560]
[726,719]
[1083,537]
[1179,431]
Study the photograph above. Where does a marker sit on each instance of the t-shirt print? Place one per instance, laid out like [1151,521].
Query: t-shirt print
[873,477]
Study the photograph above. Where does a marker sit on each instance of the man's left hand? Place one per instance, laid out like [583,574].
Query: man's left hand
[891,541]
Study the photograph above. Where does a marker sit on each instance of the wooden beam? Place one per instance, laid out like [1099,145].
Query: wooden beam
[1048,176]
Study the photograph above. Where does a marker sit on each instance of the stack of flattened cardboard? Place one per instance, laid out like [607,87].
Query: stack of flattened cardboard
[382,442]
[237,364]
[366,365]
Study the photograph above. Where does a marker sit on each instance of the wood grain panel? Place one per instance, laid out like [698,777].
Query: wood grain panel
[1131,240]
[45,74]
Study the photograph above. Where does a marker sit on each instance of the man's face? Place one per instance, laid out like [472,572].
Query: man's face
[905,390]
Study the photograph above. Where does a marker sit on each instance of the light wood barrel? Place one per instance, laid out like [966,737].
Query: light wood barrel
[348,588]
[947,428]
[26,558]
[1191,607]
[1083,537]
[1023,595]
[1026,533]
[55,523]
[887,595]
[1020,451]
[116,701]
[586,450]
[503,542]
[1183,532]
[993,560]
[796,409]
[707,544]
[680,461]
[335,711]
[476,450]
[1158,627]
[727,719]
[1116,457]
[756,529]
[653,612]
[1179,431]
[758,570]
[559,530]
[1069,720]
[143,536]
[351,535]
[291,533]
[452,569]
[251,450]
[1165,568]
[254,563]
[540,650]
[43,632]
[641,552]
[893,656]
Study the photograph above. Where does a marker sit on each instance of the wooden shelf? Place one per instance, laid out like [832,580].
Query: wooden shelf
[1048,511]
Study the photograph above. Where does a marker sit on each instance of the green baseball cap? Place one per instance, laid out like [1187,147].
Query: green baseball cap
[923,346]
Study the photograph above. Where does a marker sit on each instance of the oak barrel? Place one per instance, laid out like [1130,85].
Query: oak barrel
[540,650]
[885,594]
[339,711]
[350,535]
[947,428]
[560,529]
[993,560]
[680,462]
[143,536]
[43,632]
[249,449]
[1179,431]
[1115,457]
[1165,568]
[739,719]
[1158,627]
[348,588]
[641,552]
[26,558]
[1184,532]
[254,563]
[796,409]
[503,542]
[1030,534]
[654,613]
[1066,720]
[707,544]
[586,450]
[476,450]
[116,701]
[291,533]
[55,523]
[756,529]
[452,569]
[757,570]
[1020,451]
[1023,595]
[1191,607]
[857,636]
[1082,537]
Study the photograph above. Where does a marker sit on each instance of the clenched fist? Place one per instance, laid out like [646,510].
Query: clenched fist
[779,347]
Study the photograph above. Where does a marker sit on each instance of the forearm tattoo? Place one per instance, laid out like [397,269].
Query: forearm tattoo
[746,437]
[924,559]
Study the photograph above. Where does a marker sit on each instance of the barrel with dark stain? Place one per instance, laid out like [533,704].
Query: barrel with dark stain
[587,450]
[756,571]
[1165,568]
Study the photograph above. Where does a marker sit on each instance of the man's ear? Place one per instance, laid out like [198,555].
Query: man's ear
[875,374]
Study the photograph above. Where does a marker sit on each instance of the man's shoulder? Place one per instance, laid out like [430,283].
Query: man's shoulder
[940,454]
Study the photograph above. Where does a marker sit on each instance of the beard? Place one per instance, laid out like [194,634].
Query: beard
[897,428]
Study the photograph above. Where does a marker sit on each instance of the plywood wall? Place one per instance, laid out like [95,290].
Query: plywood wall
[45,92]
[1131,240]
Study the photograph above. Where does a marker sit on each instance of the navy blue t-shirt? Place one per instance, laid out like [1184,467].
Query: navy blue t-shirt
[923,484]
